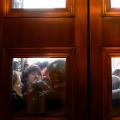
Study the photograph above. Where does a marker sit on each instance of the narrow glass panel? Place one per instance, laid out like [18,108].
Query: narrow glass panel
[38,86]
[115,85]
[39,4]
[115,3]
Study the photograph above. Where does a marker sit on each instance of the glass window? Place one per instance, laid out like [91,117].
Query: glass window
[115,3]
[38,86]
[39,4]
[115,85]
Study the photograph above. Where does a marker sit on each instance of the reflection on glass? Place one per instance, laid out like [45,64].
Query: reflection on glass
[38,86]
[115,84]
[115,3]
[39,4]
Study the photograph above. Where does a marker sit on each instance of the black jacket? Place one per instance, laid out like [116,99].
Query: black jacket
[17,103]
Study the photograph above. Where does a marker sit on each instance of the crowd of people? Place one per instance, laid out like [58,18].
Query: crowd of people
[33,88]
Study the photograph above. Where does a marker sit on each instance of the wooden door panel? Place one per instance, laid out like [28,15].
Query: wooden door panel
[111,31]
[39,32]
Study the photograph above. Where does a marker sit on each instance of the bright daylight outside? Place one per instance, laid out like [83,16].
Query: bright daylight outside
[115,3]
[39,4]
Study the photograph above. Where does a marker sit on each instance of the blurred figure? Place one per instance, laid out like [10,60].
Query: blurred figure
[45,73]
[18,103]
[29,75]
[56,100]
[34,89]
[44,70]
[17,3]
[116,87]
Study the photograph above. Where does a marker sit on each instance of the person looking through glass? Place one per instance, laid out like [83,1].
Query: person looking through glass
[34,89]
[18,103]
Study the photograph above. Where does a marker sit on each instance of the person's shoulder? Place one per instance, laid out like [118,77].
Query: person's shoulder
[14,93]
[115,77]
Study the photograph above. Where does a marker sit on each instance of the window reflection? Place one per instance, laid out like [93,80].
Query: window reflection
[39,4]
[38,86]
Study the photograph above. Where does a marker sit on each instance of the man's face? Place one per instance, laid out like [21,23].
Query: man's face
[34,76]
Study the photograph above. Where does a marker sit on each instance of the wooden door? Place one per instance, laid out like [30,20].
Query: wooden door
[104,44]
[48,34]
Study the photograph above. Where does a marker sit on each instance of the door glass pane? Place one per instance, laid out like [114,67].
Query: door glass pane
[115,3]
[39,4]
[115,85]
[38,86]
